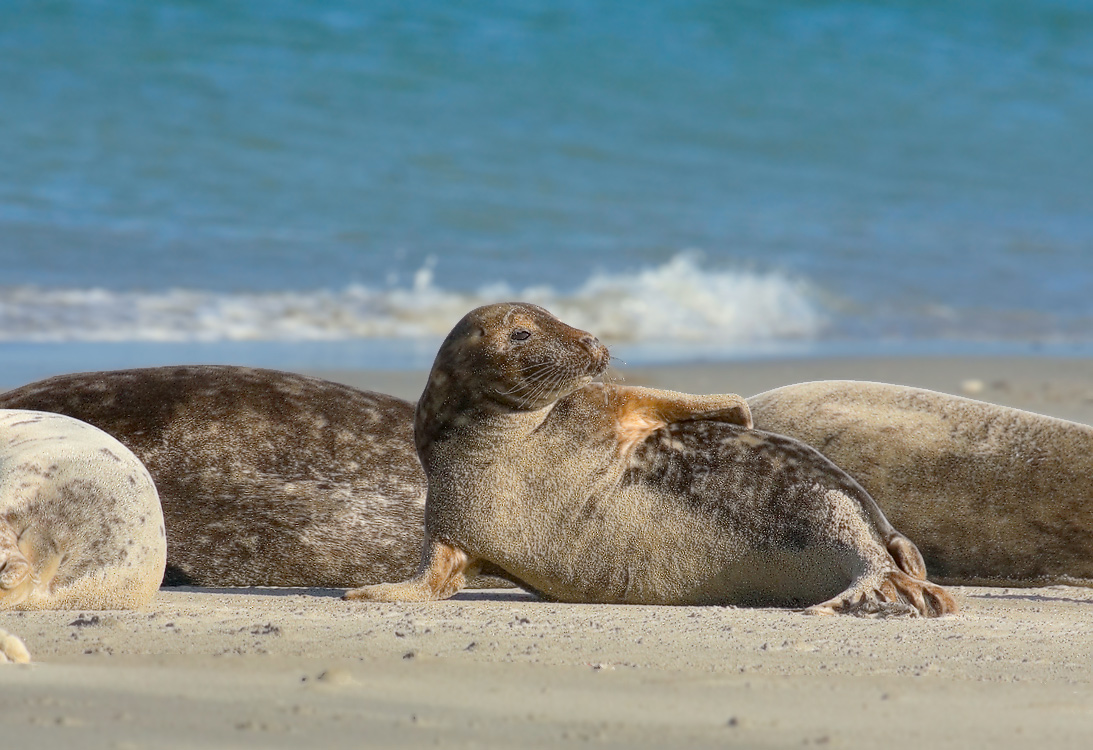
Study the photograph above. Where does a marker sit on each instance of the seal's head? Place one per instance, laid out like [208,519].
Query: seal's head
[507,357]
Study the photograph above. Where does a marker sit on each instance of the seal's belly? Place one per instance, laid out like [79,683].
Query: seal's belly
[666,559]
[705,514]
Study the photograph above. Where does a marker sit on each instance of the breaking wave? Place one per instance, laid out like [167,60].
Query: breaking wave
[678,302]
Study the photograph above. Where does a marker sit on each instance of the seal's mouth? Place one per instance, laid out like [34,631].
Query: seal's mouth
[598,356]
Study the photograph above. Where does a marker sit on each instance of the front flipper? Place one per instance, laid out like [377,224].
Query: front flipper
[444,571]
[12,649]
[642,411]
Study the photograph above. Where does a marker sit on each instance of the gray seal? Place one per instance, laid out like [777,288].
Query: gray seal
[80,521]
[991,494]
[267,478]
[586,492]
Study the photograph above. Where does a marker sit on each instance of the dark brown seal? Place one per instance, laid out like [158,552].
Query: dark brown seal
[601,493]
[266,478]
[993,495]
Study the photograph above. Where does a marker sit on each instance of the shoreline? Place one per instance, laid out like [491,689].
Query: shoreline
[1059,386]
[1056,386]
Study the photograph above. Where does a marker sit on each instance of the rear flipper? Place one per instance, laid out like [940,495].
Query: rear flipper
[896,593]
[16,573]
[906,555]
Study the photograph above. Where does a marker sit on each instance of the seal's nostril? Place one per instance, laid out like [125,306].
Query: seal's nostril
[590,341]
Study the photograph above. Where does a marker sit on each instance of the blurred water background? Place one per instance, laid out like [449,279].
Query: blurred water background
[299,184]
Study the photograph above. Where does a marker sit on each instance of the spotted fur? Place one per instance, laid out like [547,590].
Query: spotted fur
[267,478]
[992,495]
[603,493]
[80,520]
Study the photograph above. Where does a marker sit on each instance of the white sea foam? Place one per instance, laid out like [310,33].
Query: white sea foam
[679,302]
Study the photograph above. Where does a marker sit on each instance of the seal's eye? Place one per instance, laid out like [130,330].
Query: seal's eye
[521,335]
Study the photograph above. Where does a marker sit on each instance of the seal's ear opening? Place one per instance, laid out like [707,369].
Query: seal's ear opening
[520,334]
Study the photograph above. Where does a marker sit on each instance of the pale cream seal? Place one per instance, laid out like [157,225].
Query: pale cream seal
[991,495]
[80,521]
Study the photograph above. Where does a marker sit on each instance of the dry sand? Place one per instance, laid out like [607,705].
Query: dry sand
[280,668]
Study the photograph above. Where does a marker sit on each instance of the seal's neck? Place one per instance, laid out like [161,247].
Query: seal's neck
[444,412]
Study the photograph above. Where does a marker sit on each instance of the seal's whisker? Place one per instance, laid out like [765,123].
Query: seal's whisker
[548,385]
[540,377]
[538,367]
[536,376]
[543,385]
[529,389]
[569,375]
[532,381]
[536,372]
[612,376]
[515,389]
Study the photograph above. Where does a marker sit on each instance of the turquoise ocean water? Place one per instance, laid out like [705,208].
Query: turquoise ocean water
[302,184]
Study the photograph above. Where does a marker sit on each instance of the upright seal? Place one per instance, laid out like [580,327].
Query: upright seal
[267,478]
[80,522]
[993,495]
[600,493]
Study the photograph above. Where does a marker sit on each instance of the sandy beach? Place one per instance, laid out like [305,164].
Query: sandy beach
[280,668]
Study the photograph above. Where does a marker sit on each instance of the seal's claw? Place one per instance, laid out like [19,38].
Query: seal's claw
[444,571]
[897,594]
[907,556]
[408,591]
[14,571]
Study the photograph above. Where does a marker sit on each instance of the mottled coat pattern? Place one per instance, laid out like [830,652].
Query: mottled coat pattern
[992,495]
[604,493]
[266,477]
[80,520]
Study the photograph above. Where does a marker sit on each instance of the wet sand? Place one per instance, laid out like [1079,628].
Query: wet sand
[281,668]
